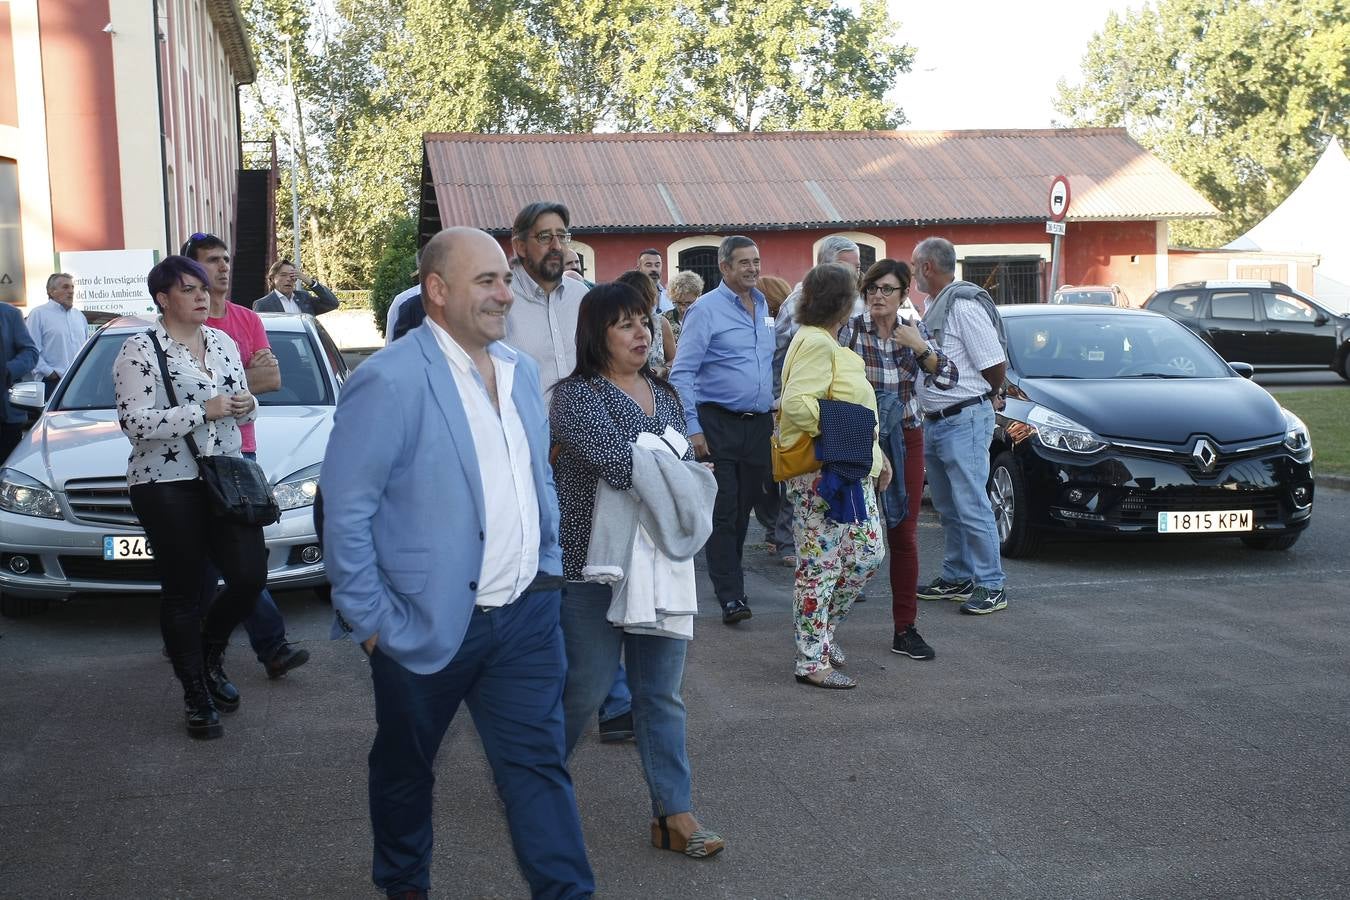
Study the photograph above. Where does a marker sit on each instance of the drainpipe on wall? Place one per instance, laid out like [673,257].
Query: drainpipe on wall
[163,125]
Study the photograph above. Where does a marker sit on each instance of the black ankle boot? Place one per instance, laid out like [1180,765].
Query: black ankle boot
[223,692]
[203,722]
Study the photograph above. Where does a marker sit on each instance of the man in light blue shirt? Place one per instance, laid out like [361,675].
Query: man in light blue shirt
[58,329]
[724,373]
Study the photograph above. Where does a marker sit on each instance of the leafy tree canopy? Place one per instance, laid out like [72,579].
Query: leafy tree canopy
[1238,96]
[371,76]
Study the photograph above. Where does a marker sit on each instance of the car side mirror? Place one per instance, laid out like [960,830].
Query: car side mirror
[28,394]
[1246,370]
[1321,319]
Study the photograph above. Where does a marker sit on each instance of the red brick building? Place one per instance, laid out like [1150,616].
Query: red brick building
[986,191]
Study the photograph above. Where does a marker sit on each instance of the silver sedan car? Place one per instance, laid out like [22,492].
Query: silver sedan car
[66,523]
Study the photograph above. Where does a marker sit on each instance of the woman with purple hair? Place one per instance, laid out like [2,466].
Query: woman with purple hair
[204,403]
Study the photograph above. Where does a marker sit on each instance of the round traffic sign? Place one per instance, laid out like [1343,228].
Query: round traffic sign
[1059,198]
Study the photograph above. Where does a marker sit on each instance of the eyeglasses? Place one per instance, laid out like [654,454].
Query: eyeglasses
[884,290]
[544,238]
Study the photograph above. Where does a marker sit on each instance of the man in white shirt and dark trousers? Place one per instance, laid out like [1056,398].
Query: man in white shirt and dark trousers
[58,329]
[958,426]
[447,618]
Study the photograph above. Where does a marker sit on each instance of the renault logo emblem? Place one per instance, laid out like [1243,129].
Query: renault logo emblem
[1205,455]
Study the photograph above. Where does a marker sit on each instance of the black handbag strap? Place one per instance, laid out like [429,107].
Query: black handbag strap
[168,388]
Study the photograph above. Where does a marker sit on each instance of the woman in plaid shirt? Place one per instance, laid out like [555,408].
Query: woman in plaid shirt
[896,354]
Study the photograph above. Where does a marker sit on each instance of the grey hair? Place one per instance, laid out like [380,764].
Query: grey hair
[832,246]
[730,245]
[685,282]
[939,252]
[51,280]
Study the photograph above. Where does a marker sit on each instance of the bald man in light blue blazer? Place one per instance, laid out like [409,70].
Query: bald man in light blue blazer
[441,543]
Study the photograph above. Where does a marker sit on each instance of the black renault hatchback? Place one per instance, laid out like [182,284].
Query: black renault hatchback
[1121,421]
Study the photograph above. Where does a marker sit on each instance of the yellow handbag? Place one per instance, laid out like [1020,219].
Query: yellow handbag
[799,457]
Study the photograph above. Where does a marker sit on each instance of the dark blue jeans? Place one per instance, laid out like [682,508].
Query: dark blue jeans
[266,629]
[510,671]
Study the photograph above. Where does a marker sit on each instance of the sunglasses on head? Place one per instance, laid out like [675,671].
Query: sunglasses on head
[190,245]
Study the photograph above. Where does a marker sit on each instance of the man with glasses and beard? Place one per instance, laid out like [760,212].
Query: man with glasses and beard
[543,319]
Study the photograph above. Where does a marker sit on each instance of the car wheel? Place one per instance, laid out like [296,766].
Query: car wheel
[18,607]
[325,593]
[1008,497]
[1343,369]
[1282,541]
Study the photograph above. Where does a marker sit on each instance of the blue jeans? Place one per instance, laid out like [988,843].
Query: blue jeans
[266,629]
[619,700]
[655,671]
[956,457]
[509,671]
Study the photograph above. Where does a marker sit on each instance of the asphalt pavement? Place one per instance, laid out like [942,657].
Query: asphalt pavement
[1160,719]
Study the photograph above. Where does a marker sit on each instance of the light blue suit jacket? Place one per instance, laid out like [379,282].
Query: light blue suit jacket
[403,501]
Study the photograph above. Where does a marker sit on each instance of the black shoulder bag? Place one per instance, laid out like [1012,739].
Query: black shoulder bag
[237,486]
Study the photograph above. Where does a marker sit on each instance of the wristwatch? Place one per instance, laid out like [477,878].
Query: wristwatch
[924,355]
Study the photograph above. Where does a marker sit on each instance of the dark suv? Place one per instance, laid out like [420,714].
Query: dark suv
[1265,323]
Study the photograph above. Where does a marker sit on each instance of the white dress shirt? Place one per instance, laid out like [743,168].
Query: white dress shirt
[511,534]
[288,304]
[545,325]
[59,334]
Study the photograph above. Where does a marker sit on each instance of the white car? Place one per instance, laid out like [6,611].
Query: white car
[66,523]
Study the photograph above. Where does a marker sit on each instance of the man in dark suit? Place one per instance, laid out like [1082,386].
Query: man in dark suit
[18,356]
[462,451]
[287,297]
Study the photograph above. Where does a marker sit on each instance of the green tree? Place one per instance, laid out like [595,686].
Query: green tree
[392,270]
[1238,96]
[372,76]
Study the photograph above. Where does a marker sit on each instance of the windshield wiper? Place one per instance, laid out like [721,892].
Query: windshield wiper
[1154,375]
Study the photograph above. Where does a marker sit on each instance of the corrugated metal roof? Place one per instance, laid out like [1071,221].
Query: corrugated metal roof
[759,180]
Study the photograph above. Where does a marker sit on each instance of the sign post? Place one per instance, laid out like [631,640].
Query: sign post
[1059,208]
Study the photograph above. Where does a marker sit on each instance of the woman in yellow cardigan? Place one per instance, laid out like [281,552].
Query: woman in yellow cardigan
[834,560]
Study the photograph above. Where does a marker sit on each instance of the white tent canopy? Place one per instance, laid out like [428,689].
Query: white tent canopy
[1313,219]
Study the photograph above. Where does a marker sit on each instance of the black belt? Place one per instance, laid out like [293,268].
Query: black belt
[954,409]
[731,412]
[543,581]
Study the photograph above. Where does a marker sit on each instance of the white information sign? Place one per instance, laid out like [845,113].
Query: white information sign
[111,280]
[1054,227]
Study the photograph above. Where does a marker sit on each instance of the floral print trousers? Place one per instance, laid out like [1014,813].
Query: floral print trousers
[834,562]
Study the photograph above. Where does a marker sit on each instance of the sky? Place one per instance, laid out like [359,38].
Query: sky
[990,64]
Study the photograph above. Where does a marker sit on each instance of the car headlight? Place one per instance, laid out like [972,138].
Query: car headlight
[1062,433]
[25,495]
[1296,435]
[299,489]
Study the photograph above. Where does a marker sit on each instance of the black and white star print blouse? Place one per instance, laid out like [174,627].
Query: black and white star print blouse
[594,424]
[157,431]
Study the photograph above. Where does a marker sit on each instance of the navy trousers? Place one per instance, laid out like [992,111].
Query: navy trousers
[510,670]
